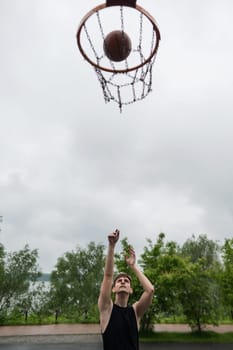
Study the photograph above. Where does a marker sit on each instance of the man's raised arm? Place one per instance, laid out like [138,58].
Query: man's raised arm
[104,301]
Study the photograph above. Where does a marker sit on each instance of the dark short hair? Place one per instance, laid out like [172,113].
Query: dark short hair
[121,274]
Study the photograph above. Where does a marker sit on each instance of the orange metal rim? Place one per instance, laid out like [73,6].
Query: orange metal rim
[101,7]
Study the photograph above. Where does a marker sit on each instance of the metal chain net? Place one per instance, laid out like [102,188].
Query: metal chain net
[134,85]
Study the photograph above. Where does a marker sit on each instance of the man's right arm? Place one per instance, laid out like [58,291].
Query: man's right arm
[105,301]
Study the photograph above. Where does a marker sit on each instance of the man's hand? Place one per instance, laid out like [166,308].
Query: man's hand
[131,257]
[113,237]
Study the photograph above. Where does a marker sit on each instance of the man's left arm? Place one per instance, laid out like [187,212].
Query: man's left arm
[145,300]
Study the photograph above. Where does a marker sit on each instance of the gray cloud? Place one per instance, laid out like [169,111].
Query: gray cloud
[72,168]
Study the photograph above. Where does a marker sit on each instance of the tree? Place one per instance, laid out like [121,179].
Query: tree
[76,280]
[201,248]
[17,271]
[2,263]
[163,265]
[199,291]
[199,295]
[227,275]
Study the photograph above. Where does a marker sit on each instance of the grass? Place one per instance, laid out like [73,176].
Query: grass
[191,337]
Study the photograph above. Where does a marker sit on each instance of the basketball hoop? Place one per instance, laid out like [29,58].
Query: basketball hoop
[101,38]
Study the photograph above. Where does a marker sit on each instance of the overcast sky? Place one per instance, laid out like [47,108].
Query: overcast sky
[72,168]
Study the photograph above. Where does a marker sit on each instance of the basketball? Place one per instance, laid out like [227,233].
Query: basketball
[117,46]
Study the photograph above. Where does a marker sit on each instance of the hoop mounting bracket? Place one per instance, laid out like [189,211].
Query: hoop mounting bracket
[130,3]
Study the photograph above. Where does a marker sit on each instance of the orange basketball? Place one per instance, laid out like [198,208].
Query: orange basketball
[117,46]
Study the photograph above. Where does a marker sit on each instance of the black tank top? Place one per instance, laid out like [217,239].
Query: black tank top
[122,331]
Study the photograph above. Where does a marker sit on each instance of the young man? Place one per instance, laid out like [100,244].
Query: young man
[119,322]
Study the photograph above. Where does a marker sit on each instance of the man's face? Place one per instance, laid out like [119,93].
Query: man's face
[122,285]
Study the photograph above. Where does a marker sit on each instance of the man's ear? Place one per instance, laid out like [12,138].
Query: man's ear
[131,291]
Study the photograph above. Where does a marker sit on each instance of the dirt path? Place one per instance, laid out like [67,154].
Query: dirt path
[50,329]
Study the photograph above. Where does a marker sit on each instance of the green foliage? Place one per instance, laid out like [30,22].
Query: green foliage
[199,296]
[201,248]
[185,280]
[17,269]
[199,291]
[162,265]
[75,282]
[193,283]
[189,337]
[227,276]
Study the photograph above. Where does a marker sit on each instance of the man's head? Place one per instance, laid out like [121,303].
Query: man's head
[120,275]
[122,283]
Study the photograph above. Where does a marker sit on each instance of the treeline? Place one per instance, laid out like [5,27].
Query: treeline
[193,283]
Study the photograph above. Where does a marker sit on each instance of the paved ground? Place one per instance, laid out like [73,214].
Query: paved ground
[92,329]
[91,346]
[84,336]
